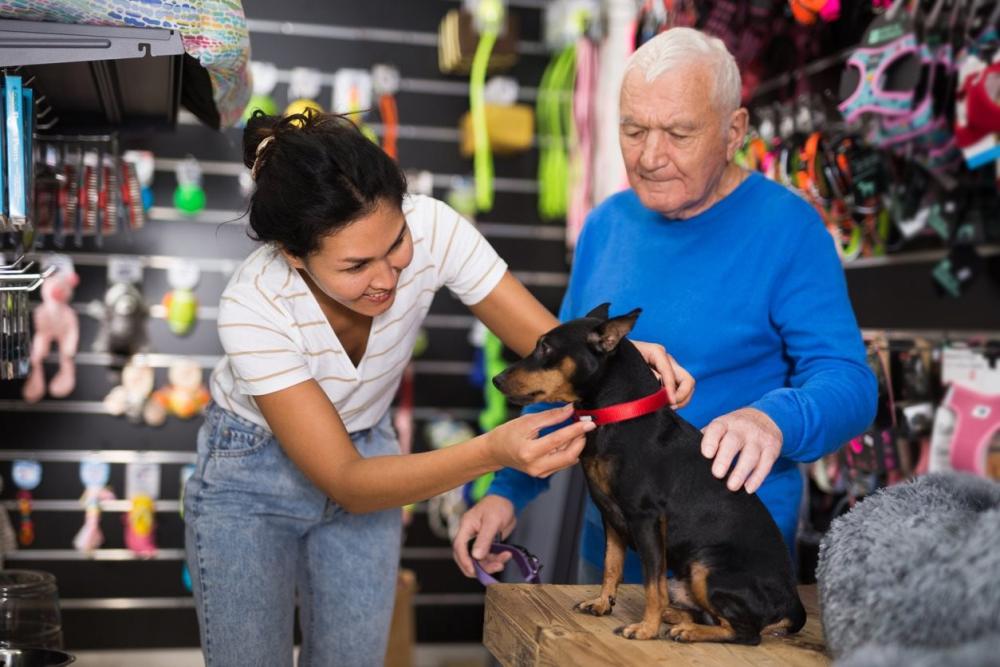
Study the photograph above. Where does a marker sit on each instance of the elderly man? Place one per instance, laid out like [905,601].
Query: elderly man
[737,278]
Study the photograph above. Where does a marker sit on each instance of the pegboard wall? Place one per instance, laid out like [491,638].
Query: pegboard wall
[112,600]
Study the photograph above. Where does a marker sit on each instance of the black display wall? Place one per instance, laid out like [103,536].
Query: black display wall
[114,600]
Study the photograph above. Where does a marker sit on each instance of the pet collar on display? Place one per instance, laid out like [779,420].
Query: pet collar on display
[624,411]
[527,562]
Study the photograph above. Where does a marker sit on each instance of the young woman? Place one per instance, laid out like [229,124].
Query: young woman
[299,479]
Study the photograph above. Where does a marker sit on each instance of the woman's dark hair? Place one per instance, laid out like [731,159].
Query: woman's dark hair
[316,174]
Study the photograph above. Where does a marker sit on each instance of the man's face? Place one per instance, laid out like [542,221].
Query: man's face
[673,138]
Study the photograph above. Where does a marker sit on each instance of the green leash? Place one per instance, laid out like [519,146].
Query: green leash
[490,14]
[554,111]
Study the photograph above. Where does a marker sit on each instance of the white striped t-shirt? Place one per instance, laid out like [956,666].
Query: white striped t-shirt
[275,335]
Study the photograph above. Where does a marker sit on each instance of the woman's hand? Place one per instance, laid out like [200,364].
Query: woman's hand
[678,382]
[516,444]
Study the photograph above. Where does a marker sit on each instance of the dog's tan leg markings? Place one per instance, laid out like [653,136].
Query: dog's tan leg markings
[614,565]
[649,626]
[657,597]
[696,632]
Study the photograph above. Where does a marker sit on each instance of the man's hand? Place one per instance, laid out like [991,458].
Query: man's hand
[491,516]
[679,383]
[751,434]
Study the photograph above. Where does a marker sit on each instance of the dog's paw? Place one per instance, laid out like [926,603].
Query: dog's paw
[638,631]
[684,632]
[599,606]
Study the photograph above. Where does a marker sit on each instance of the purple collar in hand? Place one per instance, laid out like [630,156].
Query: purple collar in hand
[525,560]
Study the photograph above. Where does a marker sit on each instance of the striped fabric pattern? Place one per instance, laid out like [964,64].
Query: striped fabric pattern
[275,335]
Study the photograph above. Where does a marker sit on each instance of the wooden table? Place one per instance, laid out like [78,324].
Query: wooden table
[530,624]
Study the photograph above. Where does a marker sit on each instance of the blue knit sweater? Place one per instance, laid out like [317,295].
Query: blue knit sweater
[750,297]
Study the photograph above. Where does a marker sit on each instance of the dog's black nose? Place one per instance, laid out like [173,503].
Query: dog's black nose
[499,379]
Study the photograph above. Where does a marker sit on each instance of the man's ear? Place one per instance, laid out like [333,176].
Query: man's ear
[606,337]
[601,312]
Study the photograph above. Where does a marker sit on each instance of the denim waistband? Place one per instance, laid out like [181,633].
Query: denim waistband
[215,415]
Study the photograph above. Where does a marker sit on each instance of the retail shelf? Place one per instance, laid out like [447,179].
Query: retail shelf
[137,603]
[97,408]
[407,553]
[105,455]
[41,43]
[919,257]
[43,505]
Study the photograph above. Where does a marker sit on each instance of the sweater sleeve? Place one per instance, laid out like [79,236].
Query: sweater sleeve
[832,393]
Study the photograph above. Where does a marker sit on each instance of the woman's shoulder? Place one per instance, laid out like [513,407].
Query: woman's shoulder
[422,211]
[261,279]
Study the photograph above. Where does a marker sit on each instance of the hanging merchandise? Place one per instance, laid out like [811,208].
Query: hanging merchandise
[352,96]
[16,281]
[183,398]
[488,18]
[94,474]
[966,433]
[808,12]
[578,22]
[27,476]
[419,182]
[385,83]
[495,412]
[462,197]
[186,471]
[180,302]
[303,89]
[618,18]
[189,196]
[444,511]
[459,37]
[82,189]
[142,489]
[8,536]
[510,127]
[265,78]
[138,168]
[56,322]
[554,111]
[123,312]
[131,397]
[16,155]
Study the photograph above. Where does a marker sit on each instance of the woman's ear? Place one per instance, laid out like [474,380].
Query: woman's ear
[293,261]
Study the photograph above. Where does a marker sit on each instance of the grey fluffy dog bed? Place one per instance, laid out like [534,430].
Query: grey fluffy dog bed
[911,576]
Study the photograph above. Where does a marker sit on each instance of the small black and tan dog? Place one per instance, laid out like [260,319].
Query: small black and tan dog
[732,574]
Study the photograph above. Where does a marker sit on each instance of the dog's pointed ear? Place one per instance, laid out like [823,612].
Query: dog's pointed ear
[601,312]
[606,337]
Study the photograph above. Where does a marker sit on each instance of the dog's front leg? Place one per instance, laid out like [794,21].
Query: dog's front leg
[614,566]
[649,535]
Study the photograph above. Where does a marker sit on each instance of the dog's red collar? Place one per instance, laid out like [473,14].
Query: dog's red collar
[624,411]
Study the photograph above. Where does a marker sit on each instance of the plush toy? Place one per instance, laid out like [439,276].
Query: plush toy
[55,322]
[131,397]
[123,315]
[186,396]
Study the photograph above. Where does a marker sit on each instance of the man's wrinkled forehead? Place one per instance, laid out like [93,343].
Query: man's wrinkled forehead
[688,87]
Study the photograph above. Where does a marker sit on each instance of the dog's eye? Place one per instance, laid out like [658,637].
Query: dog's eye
[543,348]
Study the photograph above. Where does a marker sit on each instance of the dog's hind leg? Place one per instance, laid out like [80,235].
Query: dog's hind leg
[614,566]
[649,536]
[724,631]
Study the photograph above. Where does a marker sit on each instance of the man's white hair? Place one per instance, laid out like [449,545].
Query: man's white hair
[683,46]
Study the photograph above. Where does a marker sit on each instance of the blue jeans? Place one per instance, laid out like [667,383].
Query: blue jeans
[261,538]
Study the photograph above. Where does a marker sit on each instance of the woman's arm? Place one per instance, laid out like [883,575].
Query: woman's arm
[313,436]
[519,320]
